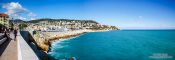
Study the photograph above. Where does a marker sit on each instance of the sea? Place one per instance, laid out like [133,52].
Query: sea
[117,45]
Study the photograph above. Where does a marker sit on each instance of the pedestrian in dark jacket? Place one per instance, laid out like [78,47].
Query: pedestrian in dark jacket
[15,33]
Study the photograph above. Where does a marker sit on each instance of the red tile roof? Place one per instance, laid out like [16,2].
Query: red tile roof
[2,14]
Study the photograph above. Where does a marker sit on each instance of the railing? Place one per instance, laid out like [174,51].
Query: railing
[2,38]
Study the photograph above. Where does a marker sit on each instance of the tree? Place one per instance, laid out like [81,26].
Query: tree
[11,24]
[22,26]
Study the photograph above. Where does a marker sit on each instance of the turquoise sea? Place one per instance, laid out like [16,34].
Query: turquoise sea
[117,45]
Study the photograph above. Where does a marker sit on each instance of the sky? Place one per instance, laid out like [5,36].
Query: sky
[126,14]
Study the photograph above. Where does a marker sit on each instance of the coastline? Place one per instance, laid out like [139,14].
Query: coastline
[52,36]
[45,39]
[63,39]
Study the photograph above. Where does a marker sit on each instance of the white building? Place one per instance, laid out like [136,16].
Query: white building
[4,19]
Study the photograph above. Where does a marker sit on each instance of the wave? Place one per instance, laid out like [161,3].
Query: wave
[62,40]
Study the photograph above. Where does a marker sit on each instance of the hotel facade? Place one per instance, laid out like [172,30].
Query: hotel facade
[4,21]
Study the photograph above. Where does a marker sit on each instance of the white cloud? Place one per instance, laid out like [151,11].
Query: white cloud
[32,18]
[15,10]
[31,14]
[140,17]
[22,18]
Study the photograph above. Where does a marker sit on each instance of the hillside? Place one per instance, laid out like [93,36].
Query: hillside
[69,24]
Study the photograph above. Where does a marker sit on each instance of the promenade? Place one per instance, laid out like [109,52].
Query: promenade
[11,50]
[16,49]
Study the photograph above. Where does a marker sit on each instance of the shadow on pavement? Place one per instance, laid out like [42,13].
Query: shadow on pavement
[4,45]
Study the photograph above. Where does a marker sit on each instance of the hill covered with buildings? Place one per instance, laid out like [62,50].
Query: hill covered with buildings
[65,24]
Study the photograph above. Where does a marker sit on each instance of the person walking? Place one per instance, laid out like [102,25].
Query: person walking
[5,33]
[15,33]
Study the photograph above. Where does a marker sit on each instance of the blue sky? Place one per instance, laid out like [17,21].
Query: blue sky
[135,14]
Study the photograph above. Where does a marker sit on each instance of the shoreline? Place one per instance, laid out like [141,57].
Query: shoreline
[54,36]
[45,39]
[63,39]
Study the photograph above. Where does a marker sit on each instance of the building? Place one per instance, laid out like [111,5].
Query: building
[4,21]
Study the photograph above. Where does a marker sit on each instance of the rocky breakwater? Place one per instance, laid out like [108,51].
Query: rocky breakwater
[53,36]
[40,40]
[45,39]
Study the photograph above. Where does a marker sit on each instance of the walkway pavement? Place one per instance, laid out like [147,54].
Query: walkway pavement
[11,52]
[17,49]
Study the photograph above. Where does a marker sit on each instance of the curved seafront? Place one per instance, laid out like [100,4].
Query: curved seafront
[117,45]
[44,39]
[68,34]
